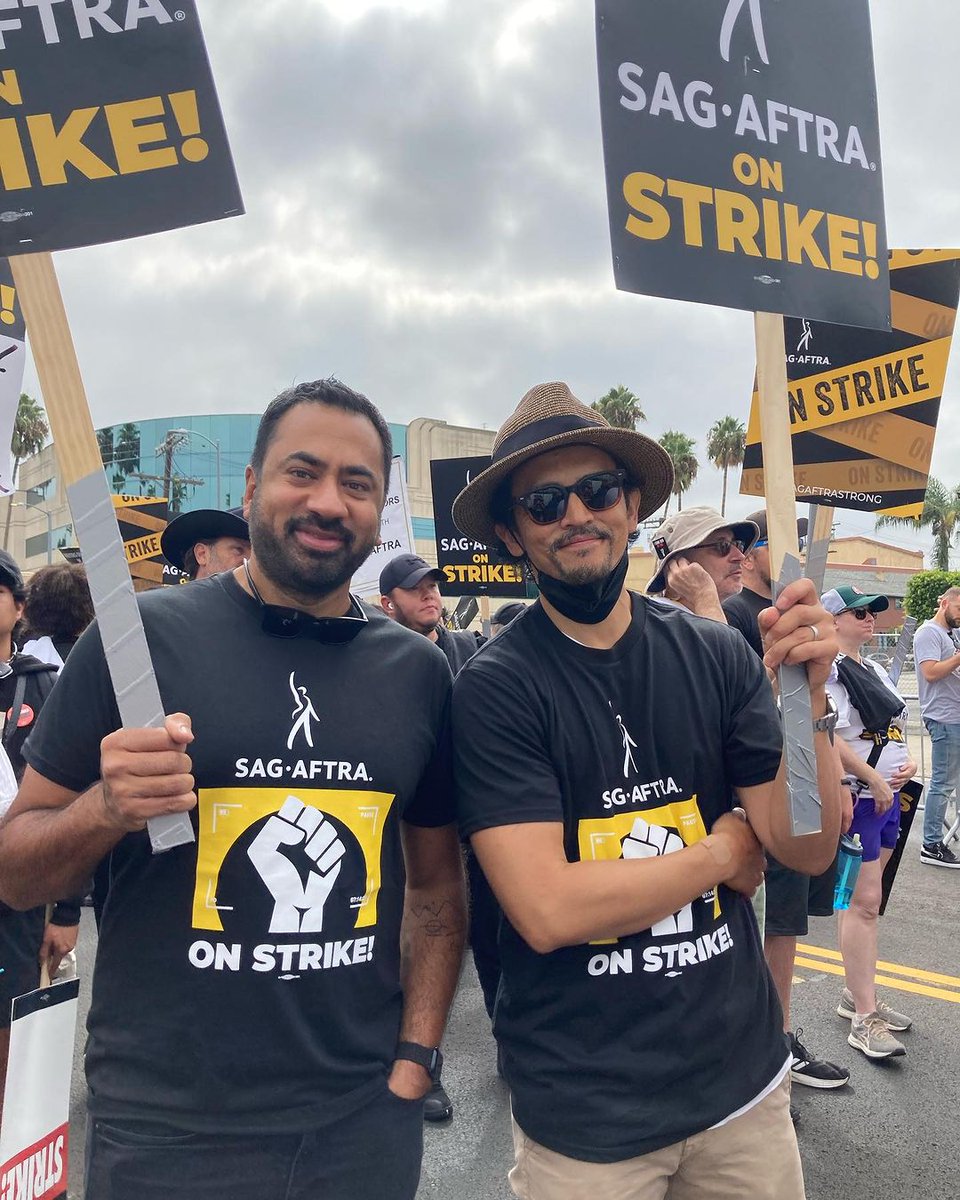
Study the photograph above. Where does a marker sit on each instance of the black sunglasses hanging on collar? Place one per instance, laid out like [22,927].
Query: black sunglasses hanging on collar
[279,621]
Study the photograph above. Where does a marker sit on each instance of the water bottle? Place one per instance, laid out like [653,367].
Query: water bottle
[848,868]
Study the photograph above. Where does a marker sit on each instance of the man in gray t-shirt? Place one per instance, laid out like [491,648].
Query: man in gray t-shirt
[937,655]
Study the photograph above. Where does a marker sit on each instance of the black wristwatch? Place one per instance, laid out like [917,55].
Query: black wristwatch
[428,1057]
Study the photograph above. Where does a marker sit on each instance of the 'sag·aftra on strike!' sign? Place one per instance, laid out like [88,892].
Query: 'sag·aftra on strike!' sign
[742,155]
[109,123]
[470,568]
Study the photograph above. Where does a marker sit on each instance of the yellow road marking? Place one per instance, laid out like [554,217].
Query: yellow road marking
[902,985]
[895,968]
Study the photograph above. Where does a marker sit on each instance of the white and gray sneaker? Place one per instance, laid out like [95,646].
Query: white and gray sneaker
[895,1021]
[870,1035]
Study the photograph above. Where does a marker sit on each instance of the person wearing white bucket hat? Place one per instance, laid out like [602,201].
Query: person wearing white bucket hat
[701,557]
[637,781]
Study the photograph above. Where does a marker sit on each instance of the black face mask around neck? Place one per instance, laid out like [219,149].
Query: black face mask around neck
[585,603]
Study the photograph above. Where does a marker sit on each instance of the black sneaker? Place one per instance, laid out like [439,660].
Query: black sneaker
[936,854]
[814,1072]
[437,1105]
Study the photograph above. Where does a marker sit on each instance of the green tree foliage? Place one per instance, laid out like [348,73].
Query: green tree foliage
[924,591]
[726,444]
[126,455]
[30,430]
[685,466]
[620,407]
[105,441]
[30,433]
[941,513]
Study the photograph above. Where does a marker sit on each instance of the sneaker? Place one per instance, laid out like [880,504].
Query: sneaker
[870,1035]
[895,1021]
[437,1105]
[814,1072]
[936,854]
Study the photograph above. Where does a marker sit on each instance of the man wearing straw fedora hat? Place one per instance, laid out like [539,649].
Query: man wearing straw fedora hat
[638,781]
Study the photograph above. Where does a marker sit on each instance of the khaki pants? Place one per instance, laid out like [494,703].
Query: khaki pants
[754,1157]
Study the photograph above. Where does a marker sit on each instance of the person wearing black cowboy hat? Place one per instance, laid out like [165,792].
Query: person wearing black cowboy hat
[206,541]
[601,745]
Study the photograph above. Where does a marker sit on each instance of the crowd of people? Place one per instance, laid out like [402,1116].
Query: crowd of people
[269,1002]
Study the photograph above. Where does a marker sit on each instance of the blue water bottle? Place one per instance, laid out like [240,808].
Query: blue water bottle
[848,868]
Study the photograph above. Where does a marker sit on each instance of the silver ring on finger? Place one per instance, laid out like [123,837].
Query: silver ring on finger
[815,631]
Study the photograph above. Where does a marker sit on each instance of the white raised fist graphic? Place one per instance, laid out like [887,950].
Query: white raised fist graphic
[298,907]
[650,841]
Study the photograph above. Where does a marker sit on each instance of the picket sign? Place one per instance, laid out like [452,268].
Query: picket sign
[35,1135]
[94,519]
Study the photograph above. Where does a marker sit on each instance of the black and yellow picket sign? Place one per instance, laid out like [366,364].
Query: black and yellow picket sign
[863,404]
[742,154]
[110,125]
[142,519]
[470,568]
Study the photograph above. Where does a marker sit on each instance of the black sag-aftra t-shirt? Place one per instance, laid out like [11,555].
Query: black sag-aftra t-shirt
[742,612]
[617,1048]
[250,982]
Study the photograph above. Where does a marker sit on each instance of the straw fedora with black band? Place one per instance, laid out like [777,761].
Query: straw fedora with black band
[548,417]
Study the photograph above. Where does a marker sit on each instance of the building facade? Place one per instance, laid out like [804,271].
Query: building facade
[199,462]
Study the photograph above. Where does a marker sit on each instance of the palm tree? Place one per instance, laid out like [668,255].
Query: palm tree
[30,432]
[620,407]
[105,441]
[685,466]
[941,512]
[726,444]
[127,449]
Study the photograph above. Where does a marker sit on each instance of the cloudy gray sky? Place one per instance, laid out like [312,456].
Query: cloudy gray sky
[426,218]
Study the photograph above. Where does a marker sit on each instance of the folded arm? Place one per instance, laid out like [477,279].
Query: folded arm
[552,902]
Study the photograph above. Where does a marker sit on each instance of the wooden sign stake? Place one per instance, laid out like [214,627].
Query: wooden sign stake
[485,614]
[81,469]
[781,510]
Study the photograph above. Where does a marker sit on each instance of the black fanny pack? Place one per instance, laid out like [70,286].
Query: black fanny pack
[873,700]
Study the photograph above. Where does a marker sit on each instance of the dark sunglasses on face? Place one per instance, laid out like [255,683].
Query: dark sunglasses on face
[598,491]
[722,547]
[860,613]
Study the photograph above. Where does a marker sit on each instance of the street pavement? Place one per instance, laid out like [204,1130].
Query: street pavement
[892,1131]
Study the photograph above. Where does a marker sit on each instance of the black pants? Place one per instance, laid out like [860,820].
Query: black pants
[371,1154]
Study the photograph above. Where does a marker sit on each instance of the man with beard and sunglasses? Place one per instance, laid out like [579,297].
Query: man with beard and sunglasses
[260,1027]
[638,780]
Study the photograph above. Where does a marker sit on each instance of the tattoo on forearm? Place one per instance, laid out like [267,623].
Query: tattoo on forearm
[438,918]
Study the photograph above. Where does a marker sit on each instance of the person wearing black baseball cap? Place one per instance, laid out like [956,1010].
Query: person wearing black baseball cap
[505,615]
[410,595]
[206,541]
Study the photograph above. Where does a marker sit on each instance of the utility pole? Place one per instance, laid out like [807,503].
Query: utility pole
[172,442]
